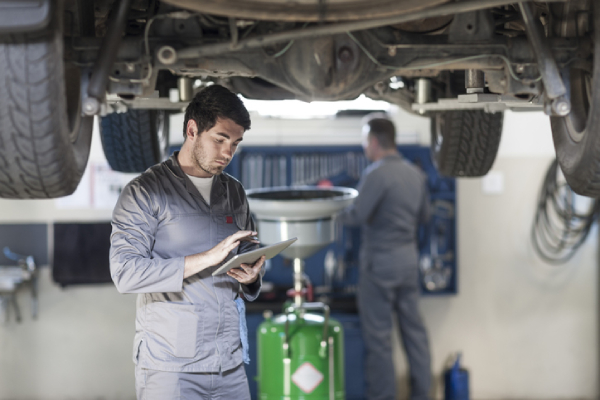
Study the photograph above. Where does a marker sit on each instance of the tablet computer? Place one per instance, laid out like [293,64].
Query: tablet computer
[252,256]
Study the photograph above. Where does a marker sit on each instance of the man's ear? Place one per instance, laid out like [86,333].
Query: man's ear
[191,129]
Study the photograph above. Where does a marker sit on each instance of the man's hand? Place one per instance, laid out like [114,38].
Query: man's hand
[220,251]
[198,262]
[247,273]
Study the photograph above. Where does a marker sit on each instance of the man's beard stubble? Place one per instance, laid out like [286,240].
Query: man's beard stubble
[201,160]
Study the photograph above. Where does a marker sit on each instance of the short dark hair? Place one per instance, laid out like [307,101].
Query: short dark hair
[383,129]
[214,102]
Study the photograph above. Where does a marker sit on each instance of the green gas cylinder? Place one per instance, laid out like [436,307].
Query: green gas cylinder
[301,355]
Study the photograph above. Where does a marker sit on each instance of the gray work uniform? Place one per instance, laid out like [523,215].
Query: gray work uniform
[182,325]
[392,201]
[160,385]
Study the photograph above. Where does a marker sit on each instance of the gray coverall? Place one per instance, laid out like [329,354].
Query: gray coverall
[393,199]
[182,326]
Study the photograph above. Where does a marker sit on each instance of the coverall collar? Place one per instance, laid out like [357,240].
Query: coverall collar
[219,185]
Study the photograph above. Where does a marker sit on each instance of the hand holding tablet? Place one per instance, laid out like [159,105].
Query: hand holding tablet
[252,256]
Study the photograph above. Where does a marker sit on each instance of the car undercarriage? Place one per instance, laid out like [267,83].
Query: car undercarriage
[460,63]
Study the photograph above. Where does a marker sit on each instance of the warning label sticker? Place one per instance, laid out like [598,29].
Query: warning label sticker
[307,377]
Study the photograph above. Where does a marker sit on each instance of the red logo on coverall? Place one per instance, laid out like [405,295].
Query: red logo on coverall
[229,219]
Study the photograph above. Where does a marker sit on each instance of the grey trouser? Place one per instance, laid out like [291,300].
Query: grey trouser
[376,305]
[161,385]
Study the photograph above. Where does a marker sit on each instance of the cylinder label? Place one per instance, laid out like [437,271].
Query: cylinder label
[307,377]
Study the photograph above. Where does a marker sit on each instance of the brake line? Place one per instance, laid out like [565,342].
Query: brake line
[438,64]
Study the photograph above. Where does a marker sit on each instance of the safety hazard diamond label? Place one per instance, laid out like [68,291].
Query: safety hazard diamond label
[307,377]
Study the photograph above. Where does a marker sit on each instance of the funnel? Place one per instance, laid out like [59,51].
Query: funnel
[303,212]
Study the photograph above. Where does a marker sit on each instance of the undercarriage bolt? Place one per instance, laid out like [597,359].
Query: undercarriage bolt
[345,54]
[474,81]
[166,55]
[174,95]
[423,88]
[423,92]
[380,87]
[186,90]
[119,107]
[91,106]
[561,106]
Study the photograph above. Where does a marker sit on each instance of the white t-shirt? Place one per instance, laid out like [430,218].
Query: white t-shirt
[204,185]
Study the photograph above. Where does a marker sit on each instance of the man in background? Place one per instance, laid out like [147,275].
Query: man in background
[393,200]
[172,226]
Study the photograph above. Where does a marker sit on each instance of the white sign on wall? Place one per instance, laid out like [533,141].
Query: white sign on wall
[493,183]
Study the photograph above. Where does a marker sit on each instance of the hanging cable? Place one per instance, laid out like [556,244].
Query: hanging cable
[560,227]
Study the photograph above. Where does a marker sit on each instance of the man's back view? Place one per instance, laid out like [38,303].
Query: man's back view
[392,201]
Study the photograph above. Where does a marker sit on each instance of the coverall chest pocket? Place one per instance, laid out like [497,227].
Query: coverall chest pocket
[229,223]
[173,330]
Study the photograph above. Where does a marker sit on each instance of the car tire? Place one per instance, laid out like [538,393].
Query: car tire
[136,140]
[577,136]
[44,140]
[465,143]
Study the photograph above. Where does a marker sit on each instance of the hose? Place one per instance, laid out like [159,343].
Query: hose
[560,227]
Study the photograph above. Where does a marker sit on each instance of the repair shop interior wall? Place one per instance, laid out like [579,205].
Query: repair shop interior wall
[525,329]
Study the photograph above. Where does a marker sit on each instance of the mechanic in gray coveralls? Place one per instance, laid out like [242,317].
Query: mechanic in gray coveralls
[393,199]
[172,226]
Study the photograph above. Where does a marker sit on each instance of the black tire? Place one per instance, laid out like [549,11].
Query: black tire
[465,143]
[577,136]
[44,140]
[136,140]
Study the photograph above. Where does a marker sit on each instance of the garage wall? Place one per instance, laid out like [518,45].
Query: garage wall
[526,330]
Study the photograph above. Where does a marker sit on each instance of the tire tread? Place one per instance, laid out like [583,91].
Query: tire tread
[470,142]
[36,158]
[129,140]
